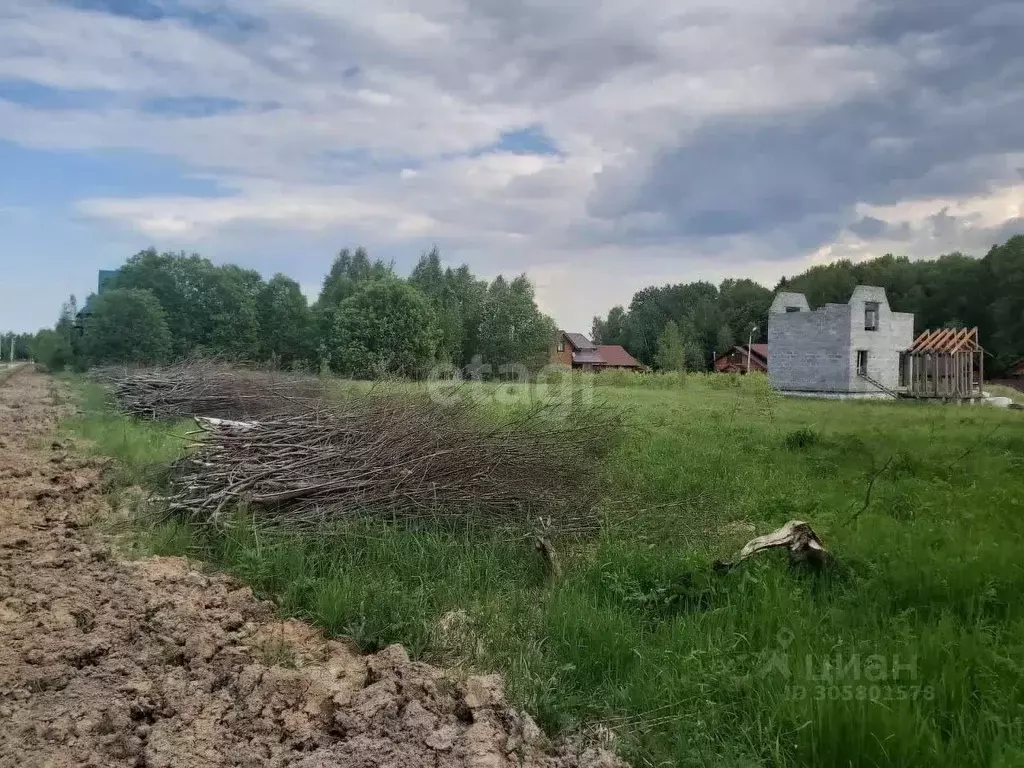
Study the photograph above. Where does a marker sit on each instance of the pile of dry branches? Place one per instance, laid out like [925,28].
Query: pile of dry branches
[271,443]
[205,388]
[397,458]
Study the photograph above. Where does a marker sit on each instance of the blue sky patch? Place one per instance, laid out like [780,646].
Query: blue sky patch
[528,141]
[217,20]
[38,96]
[192,106]
[47,177]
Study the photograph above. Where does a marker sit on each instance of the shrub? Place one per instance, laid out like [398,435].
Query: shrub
[801,438]
[125,326]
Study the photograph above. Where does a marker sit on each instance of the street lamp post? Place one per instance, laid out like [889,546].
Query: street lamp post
[750,343]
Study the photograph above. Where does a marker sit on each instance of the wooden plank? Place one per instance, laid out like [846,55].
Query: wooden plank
[939,344]
[953,341]
[920,340]
[934,340]
[957,338]
[969,340]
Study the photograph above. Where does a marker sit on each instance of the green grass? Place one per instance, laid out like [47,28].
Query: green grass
[909,653]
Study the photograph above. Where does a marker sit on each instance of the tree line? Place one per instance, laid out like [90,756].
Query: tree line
[682,327]
[367,322]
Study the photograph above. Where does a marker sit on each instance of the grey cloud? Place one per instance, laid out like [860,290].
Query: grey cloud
[945,129]
[871,228]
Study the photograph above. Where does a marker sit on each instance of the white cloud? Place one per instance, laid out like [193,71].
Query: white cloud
[379,121]
[924,227]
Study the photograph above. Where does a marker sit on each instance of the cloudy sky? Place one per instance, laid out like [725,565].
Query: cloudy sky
[598,145]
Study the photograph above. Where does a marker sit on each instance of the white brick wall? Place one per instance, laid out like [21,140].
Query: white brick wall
[817,351]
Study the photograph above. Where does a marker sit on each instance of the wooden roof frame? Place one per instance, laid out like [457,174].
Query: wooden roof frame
[947,340]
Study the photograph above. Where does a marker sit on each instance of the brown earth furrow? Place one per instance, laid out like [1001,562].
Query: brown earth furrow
[155,663]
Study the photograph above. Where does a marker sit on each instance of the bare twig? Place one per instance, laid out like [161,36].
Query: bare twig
[298,461]
[871,485]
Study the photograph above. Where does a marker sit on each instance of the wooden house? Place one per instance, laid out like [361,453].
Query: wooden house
[740,359]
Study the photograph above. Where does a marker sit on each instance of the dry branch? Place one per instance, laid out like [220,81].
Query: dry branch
[204,388]
[796,537]
[294,460]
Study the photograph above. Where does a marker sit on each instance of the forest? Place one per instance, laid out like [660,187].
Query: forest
[954,290]
[370,322]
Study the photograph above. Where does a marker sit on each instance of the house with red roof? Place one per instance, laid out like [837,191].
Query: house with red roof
[739,358]
[576,351]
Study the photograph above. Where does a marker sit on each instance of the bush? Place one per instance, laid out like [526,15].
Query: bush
[125,326]
[52,350]
[801,438]
[386,329]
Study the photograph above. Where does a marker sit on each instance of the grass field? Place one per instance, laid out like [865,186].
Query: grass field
[909,653]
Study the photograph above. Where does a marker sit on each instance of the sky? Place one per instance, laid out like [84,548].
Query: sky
[600,146]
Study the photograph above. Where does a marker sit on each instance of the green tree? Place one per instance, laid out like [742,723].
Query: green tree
[824,284]
[286,322]
[1006,265]
[436,284]
[611,330]
[125,326]
[386,327]
[208,308]
[182,284]
[50,348]
[348,272]
[744,305]
[513,331]
[232,304]
[21,343]
[692,306]
[471,295]
[726,338]
[671,354]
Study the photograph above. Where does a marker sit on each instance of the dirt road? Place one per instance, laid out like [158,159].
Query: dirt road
[154,663]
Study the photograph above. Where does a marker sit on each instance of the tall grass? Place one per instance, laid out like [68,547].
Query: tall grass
[909,653]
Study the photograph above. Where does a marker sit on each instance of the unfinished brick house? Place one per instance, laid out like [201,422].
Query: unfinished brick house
[864,349]
[576,351]
[839,350]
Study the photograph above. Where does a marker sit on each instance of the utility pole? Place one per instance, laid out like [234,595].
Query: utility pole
[750,343]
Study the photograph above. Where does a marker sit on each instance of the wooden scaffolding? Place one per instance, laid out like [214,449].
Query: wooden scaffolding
[948,363]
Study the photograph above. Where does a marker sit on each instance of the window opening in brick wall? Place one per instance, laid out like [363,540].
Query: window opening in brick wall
[871,316]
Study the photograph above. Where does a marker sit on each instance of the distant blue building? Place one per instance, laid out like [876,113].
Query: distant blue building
[106,277]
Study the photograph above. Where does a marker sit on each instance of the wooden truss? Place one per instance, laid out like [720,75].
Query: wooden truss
[948,363]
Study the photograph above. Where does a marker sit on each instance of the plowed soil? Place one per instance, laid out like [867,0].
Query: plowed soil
[157,663]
